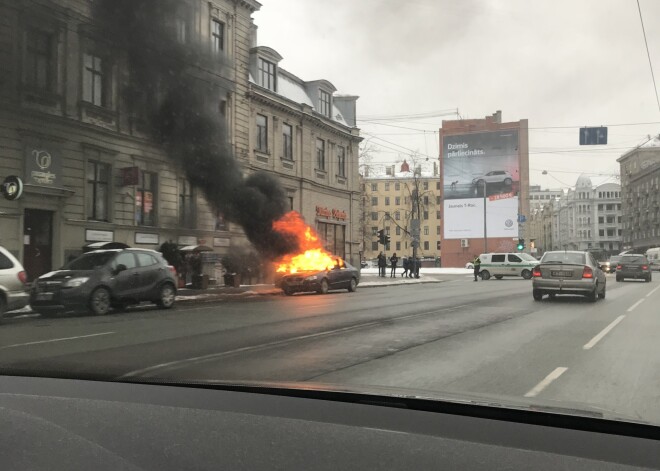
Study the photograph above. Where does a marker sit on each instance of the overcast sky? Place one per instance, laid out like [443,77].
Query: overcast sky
[553,62]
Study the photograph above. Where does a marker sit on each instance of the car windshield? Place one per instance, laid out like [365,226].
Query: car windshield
[228,154]
[564,257]
[90,261]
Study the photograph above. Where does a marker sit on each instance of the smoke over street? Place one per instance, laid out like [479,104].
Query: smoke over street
[182,109]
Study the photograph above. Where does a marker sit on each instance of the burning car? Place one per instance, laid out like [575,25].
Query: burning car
[341,276]
[311,267]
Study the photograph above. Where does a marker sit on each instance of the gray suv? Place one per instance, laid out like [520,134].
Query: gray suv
[13,292]
[104,279]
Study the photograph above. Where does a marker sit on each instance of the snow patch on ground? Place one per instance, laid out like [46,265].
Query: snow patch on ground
[423,271]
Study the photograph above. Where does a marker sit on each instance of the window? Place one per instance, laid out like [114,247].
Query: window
[5,262]
[618,219]
[287,142]
[98,182]
[601,219]
[320,154]
[425,185]
[186,204]
[39,60]
[220,222]
[387,187]
[290,203]
[609,207]
[601,232]
[426,245]
[341,161]
[262,133]
[125,258]
[398,245]
[387,201]
[324,103]
[610,219]
[397,216]
[406,199]
[374,230]
[218,35]
[610,232]
[426,230]
[374,201]
[267,74]
[426,200]
[438,214]
[398,230]
[437,230]
[387,215]
[498,258]
[397,201]
[426,215]
[95,80]
[514,258]
[438,245]
[438,199]
[145,211]
[374,187]
[146,260]
[397,186]
[437,185]
[374,216]
[374,246]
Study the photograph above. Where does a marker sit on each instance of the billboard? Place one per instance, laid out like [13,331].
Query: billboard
[474,164]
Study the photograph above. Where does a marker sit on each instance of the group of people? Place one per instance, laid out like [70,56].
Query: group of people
[409,264]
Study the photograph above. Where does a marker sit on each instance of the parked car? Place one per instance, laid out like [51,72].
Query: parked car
[13,292]
[342,276]
[494,176]
[103,279]
[568,272]
[633,266]
[500,265]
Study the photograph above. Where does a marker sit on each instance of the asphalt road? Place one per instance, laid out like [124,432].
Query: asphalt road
[459,337]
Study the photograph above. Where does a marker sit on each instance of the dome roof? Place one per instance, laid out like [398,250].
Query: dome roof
[583,182]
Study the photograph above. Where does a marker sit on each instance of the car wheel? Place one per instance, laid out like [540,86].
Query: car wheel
[485,275]
[287,291]
[352,286]
[601,295]
[537,294]
[3,307]
[552,295]
[618,278]
[526,274]
[323,289]
[593,296]
[499,277]
[99,301]
[508,181]
[167,296]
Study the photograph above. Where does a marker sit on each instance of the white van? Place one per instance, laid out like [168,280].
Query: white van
[500,265]
[653,255]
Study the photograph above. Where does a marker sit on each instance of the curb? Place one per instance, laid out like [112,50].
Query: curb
[400,283]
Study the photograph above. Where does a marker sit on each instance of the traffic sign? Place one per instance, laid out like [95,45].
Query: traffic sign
[593,136]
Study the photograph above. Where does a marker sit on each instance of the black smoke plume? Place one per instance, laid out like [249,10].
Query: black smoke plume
[180,101]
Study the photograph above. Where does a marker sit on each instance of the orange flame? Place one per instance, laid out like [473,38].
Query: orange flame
[312,255]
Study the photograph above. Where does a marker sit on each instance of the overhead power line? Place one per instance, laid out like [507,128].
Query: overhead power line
[648,54]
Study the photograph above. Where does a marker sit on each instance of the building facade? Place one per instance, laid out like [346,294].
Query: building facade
[390,205]
[306,134]
[539,198]
[91,171]
[640,180]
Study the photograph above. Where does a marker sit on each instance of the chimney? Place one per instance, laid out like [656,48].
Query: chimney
[346,106]
[497,117]
[253,35]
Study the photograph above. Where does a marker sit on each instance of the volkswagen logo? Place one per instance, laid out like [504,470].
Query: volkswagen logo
[508,223]
[42,158]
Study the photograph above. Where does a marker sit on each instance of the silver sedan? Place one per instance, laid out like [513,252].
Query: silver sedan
[568,272]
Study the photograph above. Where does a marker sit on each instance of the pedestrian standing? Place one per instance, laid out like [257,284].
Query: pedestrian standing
[476,263]
[418,264]
[393,260]
[382,264]
[405,263]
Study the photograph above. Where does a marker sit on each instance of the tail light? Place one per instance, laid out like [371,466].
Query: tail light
[22,276]
[172,269]
[536,272]
[645,267]
[618,267]
[587,272]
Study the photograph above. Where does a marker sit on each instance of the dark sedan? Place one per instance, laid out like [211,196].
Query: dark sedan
[342,276]
[633,266]
[104,279]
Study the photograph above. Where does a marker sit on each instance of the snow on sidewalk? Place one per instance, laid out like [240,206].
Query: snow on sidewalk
[423,271]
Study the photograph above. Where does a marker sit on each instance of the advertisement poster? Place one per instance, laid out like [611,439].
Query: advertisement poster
[475,163]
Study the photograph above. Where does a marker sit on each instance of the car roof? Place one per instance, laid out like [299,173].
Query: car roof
[566,251]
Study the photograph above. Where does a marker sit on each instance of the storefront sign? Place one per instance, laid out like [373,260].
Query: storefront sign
[130,176]
[92,235]
[43,167]
[187,240]
[146,238]
[12,188]
[221,242]
[331,213]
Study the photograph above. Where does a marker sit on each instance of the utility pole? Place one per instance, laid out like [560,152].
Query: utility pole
[485,219]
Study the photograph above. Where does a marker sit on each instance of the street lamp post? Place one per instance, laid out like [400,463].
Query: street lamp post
[485,220]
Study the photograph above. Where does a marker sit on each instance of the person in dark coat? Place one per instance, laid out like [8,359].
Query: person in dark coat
[405,264]
[393,260]
[382,264]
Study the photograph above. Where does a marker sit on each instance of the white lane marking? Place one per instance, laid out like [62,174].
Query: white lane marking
[653,291]
[56,340]
[556,373]
[603,333]
[632,308]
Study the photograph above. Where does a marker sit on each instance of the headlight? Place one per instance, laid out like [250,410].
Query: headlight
[75,282]
[312,278]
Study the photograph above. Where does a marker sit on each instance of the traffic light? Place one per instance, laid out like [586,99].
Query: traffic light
[387,240]
[521,244]
[381,236]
